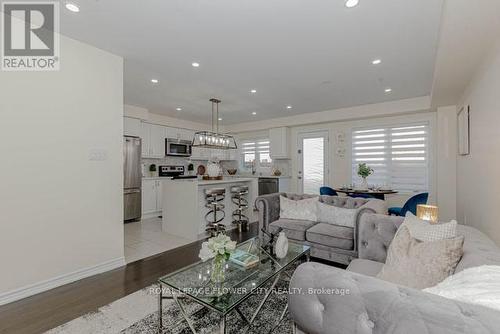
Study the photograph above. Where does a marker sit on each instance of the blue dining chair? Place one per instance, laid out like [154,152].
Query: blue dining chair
[410,205]
[327,191]
[360,196]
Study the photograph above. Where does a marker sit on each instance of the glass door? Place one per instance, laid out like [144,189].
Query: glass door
[313,161]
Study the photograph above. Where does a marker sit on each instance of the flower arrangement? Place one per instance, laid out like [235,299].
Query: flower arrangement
[219,248]
[364,170]
[221,245]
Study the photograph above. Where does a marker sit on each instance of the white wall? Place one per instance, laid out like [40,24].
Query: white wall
[446,162]
[61,214]
[478,180]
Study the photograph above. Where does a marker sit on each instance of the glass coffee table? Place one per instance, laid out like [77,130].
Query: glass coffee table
[193,282]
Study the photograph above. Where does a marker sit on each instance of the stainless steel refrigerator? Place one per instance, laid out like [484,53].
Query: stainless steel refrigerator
[132,178]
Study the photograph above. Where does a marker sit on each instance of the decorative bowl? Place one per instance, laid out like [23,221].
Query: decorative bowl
[232,171]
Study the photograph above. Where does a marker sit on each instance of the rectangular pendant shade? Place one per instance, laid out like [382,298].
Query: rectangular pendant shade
[214,140]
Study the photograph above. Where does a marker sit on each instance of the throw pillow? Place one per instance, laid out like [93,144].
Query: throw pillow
[337,216]
[425,231]
[304,209]
[417,264]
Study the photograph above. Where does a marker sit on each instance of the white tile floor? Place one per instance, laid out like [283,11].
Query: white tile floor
[145,238]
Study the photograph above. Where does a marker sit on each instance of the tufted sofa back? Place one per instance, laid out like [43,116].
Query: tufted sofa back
[343,202]
[377,231]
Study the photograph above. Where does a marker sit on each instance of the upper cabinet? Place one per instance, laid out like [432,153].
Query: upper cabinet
[153,140]
[132,127]
[279,143]
[157,142]
[181,134]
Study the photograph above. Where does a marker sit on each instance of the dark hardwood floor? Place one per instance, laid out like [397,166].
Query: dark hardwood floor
[55,307]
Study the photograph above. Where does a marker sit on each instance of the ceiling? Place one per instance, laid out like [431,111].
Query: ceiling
[314,55]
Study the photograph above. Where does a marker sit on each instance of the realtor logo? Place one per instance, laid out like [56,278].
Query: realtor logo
[30,36]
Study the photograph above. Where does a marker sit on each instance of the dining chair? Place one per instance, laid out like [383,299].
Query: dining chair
[410,205]
[327,191]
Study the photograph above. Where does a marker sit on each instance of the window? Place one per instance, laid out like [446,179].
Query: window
[258,151]
[397,154]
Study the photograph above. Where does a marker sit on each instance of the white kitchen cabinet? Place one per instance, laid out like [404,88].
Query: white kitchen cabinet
[159,195]
[279,143]
[151,197]
[172,132]
[132,127]
[182,134]
[145,138]
[153,140]
[157,141]
[186,134]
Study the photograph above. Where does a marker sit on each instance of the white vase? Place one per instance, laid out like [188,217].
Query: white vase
[281,247]
[214,169]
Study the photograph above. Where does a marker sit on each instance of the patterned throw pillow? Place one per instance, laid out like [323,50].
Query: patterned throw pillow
[337,216]
[418,264]
[304,209]
[425,231]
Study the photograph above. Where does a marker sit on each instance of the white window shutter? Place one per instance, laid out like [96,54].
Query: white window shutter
[397,154]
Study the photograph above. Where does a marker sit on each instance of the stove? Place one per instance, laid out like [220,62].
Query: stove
[171,171]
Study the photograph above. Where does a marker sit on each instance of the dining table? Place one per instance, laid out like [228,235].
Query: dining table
[378,194]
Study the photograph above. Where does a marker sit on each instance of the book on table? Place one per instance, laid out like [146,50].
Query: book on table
[243,258]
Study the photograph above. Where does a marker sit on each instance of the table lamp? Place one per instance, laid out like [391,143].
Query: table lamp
[428,212]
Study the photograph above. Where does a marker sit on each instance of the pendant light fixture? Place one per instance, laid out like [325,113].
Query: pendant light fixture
[214,139]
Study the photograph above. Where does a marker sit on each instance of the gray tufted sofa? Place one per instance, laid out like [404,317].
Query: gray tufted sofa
[363,304]
[328,241]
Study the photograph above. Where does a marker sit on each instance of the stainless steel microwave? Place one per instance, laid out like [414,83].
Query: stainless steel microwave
[177,147]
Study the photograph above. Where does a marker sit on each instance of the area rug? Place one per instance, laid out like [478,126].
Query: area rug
[138,313]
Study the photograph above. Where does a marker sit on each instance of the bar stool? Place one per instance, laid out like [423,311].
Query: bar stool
[238,197]
[215,214]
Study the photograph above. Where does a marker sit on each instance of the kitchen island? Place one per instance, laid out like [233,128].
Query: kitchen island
[184,205]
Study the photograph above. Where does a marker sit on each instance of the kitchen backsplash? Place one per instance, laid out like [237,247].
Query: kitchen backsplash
[282,165]
[174,161]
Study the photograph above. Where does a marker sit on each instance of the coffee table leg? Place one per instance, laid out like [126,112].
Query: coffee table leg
[160,310]
[184,314]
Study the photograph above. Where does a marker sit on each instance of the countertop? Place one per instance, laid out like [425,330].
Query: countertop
[210,182]
[260,176]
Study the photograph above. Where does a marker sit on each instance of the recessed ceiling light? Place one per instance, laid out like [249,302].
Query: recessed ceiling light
[289,107]
[254,113]
[155,81]
[178,108]
[72,7]
[195,64]
[351,3]
[376,61]
[388,90]
[253,91]
[220,119]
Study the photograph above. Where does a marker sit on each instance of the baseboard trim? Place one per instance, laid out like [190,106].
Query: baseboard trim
[151,215]
[33,289]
